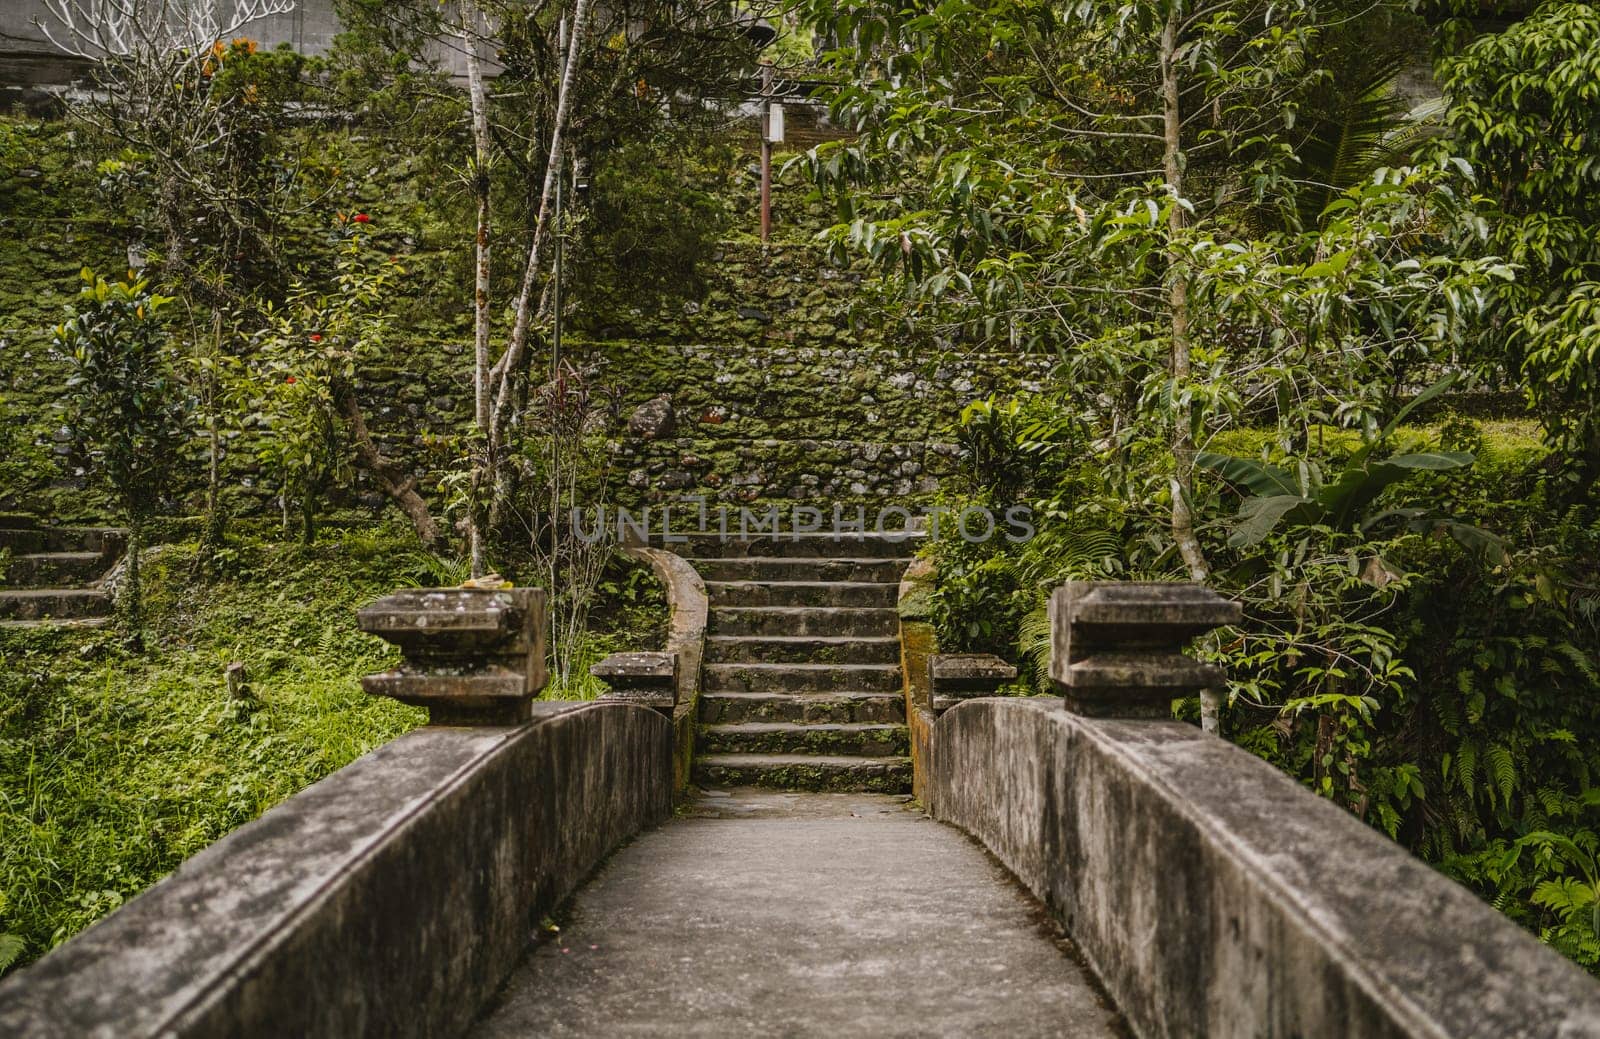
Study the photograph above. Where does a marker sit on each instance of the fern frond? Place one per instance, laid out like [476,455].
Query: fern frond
[1467,767]
[1504,768]
[1033,642]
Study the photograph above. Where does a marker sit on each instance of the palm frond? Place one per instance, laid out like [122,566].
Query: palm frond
[1367,129]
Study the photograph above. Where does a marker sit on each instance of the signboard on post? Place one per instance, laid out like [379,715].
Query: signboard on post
[775,125]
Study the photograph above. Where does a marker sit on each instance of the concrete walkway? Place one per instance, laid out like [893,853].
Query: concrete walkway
[791,914]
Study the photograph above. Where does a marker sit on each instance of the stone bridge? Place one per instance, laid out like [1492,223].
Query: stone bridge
[1079,865]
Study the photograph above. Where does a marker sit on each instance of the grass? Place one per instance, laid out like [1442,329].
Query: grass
[115,767]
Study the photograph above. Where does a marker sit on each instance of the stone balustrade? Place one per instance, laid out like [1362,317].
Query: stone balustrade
[1211,893]
[472,656]
[395,896]
[667,681]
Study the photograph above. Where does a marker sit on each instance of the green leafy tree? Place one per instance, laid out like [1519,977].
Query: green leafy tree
[1523,112]
[308,360]
[126,407]
[1109,180]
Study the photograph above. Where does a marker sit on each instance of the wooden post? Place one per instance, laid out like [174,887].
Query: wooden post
[766,152]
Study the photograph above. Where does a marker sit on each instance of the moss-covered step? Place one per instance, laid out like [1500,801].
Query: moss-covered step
[801,678]
[814,709]
[802,569]
[802,620]
[53,569]
[39,539]
[849,739]
[53,604]
[802,649]
[884,775]
[801,593]
[788,544]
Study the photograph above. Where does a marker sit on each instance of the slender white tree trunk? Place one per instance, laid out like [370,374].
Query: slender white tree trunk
[1178,300]
[1178,311]
[470,24]
[516,345]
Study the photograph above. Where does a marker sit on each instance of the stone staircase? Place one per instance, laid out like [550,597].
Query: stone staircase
[802,685]
[49,573]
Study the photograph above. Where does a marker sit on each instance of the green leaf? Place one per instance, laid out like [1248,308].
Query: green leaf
[11,949]
[1435,460]
[1258,477]
[1258,516]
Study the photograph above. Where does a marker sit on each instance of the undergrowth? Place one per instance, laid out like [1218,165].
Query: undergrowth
[115,767]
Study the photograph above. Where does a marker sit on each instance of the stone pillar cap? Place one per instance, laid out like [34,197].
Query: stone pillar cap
[473,656]
[1116,647]
[452,620]
[1129,612]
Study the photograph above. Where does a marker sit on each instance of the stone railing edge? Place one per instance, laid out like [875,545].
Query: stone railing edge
[1213,895]
[686,639]
[390,898]
[918,643]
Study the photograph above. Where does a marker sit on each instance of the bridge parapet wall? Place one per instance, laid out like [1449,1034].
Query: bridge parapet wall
[1213,894]
[392,898]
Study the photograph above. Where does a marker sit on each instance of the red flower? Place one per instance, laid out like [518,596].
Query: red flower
[361,218]
[290,380]
[316,337]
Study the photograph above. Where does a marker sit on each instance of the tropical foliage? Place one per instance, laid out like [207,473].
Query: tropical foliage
[1272,283]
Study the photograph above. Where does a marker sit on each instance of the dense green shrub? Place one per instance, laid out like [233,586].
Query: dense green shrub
[127,408]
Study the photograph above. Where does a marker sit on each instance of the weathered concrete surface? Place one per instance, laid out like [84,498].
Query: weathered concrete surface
[1116,647]
[801,914]
[686,641]
[1217,897]
[918,641]
[390,899]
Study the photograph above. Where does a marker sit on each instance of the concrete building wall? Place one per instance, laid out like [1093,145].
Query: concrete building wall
[310,27]
[28,59]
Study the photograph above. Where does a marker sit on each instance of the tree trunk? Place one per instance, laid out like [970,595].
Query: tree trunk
[133,595]
[480,329]
[400,486]
[510,365]
[1172,164]
[216,522]
[1178,301]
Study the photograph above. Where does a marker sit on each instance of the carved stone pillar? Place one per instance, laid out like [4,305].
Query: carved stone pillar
[1117,646]
[471,656]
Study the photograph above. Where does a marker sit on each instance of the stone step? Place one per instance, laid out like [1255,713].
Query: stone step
[786,738]
[835,621]
[812,709]
[53,604]
[802,593]
[17,521]
[801,678]
[802,569]
[30,541]
[792,546]
[802,649]
[884,775]
[54,569]
[52,624]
